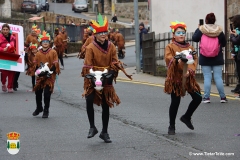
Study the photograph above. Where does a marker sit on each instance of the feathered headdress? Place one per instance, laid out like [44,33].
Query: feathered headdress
[34,27]
[38,31]
[44,36]
[177,24]
[90,28]
[101,25]
[33,45]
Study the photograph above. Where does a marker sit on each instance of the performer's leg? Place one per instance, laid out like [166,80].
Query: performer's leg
[4,79]
[66,51]
[11,75]
[33,81]
[175,101]
[39,108]
[196,100]
[15,81]
[90,112]
[105,115]
[60,57]
[47,97]
[105,119]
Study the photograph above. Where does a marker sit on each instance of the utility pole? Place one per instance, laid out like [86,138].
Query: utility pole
[137,40]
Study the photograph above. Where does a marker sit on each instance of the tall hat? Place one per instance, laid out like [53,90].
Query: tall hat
[33,45]
[101,25]
[38,31]
[177,24]
[34,27]
[44,36]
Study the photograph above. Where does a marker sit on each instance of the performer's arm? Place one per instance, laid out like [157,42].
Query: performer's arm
[168,55]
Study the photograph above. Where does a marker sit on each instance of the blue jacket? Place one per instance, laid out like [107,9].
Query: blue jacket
[211,61]
[143,31]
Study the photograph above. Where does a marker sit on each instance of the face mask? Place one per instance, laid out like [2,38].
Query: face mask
[179,33]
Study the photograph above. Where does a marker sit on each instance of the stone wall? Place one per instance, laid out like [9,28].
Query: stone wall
[16,5]
[126,10]
[233,8]
[5,9]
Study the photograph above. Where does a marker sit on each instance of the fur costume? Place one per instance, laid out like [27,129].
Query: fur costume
[31,56]
[59,44]
[50,56]
[173,82]
[119,41]
[99,60]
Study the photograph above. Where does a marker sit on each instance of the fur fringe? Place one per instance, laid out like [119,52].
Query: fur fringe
[173,82]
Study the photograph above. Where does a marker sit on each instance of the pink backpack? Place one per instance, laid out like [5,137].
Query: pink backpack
[209,46]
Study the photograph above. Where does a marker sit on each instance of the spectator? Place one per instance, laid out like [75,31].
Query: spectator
[114,18]
[7,45]
[142,30]
[235,39]
[209,64]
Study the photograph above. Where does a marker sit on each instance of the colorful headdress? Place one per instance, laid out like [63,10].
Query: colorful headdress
[33,45]
[34,27]
[101,25]
[38,31]
[90,28]
[177,24]
[44,36]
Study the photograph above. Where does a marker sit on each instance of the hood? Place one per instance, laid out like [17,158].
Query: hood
[211,30]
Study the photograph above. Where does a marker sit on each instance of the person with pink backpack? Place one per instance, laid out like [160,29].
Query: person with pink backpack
[212,40]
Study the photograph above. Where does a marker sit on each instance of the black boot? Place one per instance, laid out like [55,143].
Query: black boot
[237,89]
[187,122]
[171,130]
[37,111]
[105,137]
[45,113]
[92,132]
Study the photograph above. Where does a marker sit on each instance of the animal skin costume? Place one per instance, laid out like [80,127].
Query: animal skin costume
[45,83]
[174,80]
[101,56]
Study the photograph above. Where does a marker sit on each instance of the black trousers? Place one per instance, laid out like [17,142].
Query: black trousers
[175,101]
[47,96]
[60,57]
[237,68]
[15,80]
[90,112]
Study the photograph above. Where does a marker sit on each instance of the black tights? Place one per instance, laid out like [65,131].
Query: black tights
[47,95]
[90,112]
[33,81]
[175,101]
[60,57]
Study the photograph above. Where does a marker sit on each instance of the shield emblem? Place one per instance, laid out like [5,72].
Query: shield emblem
[13,146]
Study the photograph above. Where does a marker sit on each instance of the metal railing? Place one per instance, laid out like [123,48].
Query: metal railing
[154,63]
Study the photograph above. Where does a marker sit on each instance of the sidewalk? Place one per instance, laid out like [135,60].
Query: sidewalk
[159,81]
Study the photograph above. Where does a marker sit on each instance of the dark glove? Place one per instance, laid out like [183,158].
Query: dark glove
[43,74]
[53,68]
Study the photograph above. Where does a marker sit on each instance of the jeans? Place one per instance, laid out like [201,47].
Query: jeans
[141,60]
[217,74]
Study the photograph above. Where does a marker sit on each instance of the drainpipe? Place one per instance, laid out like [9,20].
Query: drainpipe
[226,48]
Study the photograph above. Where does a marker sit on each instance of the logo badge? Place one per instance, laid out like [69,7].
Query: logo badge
[13,142]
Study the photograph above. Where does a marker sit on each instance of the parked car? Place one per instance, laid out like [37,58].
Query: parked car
[45,5]
[80,6]
[33,6]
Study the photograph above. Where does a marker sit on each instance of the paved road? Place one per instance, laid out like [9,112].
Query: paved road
[138,126]
[65,9]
